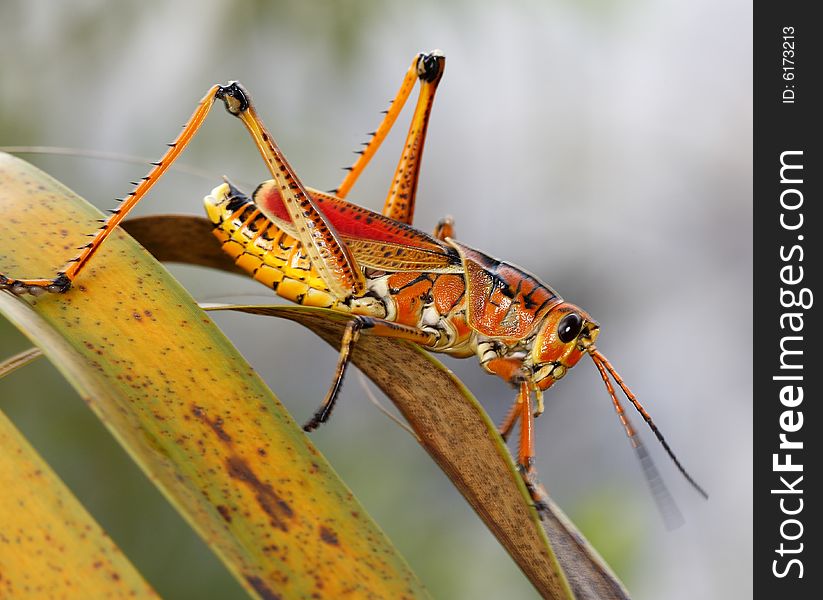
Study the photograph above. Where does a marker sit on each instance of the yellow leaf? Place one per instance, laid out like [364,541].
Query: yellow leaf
[187,407]
[50,547]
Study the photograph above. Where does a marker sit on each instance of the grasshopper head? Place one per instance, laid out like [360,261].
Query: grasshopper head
[564,337]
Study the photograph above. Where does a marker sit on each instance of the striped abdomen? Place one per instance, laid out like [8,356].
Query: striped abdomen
[430,301]
[272,256]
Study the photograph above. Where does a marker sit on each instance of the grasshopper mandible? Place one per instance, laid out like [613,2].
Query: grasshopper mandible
[317,249]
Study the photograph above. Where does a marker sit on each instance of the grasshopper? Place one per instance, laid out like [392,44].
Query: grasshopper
[317,249]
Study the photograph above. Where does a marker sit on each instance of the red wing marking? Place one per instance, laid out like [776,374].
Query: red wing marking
[376,241]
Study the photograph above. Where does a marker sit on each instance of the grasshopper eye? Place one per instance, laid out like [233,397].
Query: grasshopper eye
[569,327]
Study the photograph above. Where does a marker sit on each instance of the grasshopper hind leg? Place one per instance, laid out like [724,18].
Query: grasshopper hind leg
[36,287]
[64,278]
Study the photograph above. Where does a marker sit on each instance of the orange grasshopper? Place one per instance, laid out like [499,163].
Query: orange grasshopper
[317,249]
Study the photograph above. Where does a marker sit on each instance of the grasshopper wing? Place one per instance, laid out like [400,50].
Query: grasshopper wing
[375,241]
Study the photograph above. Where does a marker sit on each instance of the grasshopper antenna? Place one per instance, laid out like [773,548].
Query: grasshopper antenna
[604,365]
[672,517]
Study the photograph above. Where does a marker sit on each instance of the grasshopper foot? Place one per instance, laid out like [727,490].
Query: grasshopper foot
[36,287]
[316,421]
[311,424]
[319,417]
[535,489]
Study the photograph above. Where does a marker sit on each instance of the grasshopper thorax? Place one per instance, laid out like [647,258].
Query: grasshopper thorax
[565,335]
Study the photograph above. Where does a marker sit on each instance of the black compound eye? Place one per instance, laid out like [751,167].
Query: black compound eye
[569,327]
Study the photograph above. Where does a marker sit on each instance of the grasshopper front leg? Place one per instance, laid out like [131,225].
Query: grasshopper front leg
[525,453]
[511,370]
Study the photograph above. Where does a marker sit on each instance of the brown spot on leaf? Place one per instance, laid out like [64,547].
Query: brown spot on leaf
[269,500]
[224,512]
[216,424]
[328,536]
[261,588]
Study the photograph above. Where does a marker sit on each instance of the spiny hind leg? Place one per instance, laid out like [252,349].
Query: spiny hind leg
[64,278]
[402,194]
[399,204]
[329,255]
[377,136]
[326,251]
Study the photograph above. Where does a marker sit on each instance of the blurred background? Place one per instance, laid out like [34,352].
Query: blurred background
[604,146]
